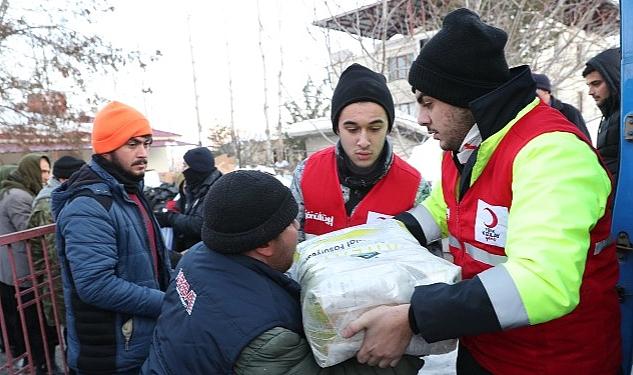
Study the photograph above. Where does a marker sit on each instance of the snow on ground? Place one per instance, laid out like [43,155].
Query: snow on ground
[443,364]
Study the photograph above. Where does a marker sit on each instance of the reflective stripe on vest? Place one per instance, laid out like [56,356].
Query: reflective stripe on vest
[476,253]
[601,245]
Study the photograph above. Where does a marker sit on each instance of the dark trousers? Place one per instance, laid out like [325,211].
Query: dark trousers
[14,327]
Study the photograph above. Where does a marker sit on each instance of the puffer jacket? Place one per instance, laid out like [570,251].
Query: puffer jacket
[112,293]
[281,351]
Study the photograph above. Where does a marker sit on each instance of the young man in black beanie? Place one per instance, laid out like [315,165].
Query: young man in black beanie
[200,173]
[571,113]
[525,204]
[360,178]
[231,309]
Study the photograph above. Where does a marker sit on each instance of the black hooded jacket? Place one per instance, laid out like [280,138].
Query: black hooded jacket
[188,223]
[607,63]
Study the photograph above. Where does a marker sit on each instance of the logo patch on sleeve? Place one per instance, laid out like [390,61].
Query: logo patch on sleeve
[491,224]
[186,294]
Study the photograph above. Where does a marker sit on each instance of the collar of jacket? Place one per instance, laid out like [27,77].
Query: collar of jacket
[291,286]
[205,184]
[555,103]
[46,191]
[93,175]
[496,109]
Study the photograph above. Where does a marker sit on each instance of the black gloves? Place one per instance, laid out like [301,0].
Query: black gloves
[166,219]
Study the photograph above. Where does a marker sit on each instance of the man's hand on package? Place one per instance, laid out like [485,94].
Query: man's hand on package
[387,334]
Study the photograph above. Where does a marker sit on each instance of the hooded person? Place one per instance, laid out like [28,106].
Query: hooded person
[200,174]
[360,178]
[525,203]
[17,192]
[6,170]
[114,265]
[231,308]
[602,74]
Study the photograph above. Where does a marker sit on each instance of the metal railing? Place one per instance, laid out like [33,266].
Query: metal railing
[28,337]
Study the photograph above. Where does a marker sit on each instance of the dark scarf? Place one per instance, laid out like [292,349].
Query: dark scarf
[129,181]
[362,178]
[195,178]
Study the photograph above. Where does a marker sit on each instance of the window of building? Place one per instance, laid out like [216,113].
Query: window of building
[399,66]
[408,108]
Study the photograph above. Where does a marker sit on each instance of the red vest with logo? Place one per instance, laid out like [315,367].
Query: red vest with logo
[581,342]
[323,199]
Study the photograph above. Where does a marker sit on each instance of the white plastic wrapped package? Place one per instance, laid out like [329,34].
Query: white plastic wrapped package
[350,271]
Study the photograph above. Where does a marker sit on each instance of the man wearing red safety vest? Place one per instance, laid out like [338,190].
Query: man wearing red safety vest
[525,202]
[360,178]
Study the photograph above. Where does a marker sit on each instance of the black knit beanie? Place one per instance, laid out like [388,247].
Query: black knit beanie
[542,82]
[200,159]
[462,62]
[67,165]
[244,210]
[360,84]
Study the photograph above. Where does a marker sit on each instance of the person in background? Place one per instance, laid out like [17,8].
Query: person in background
[602,75]
[544,92]
[41,215]
[17,192]
[186,220]
[360,179]
[525,203]
[45,167]
[115,267]
[231,309]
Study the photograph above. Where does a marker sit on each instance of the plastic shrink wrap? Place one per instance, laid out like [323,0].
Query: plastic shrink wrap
[350,271]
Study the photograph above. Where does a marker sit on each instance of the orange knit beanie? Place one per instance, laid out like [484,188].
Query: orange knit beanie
[115,124]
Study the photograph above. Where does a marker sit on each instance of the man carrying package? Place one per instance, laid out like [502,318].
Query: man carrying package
[231,309]
[525,203]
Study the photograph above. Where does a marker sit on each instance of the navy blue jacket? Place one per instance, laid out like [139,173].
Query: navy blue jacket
[107,273]
[213,309]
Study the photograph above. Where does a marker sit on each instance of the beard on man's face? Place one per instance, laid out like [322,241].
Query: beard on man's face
[127,170]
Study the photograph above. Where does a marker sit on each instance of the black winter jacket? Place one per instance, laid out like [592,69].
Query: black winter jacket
[187,224]
[607,63]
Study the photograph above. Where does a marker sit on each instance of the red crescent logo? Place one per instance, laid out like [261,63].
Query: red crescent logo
[494,221]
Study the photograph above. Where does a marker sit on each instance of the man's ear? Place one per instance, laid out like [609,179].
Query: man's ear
[265,250]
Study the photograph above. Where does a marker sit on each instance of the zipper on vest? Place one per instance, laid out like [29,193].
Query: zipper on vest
[127,329]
